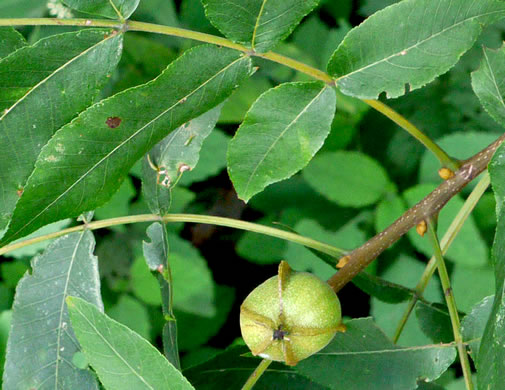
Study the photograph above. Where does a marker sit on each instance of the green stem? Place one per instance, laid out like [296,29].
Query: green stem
[449,236]
[129,25]
[451,304]
[251,381]
[440,154]
[207,219]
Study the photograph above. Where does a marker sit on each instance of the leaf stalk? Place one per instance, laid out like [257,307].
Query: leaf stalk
[206,219]
[451,303]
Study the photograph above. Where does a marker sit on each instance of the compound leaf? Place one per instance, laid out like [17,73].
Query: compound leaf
[85,162]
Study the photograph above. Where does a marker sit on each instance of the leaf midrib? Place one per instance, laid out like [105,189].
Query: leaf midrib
[105,158]
[280,136]
[54,73]
[111,347]
[60,321]
[416,44]
[493,79]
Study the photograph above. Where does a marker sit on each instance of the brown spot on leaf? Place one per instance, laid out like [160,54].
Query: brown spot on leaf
[20,191]
[113,122]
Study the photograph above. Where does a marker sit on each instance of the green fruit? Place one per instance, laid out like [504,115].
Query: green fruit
[290,316]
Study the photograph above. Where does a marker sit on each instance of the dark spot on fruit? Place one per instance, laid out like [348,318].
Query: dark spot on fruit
[113,122]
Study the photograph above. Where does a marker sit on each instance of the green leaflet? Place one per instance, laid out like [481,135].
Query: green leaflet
[86,160]
[41,342]
[350,179]
[490,368]
[364,358]
[410,42]
[488,83]
[10,40]
[434,321]
[280,134]
[42,87]
[112,9]
[122,359]
[259,24]
[177,153]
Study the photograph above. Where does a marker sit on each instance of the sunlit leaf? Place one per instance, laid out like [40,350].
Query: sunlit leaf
[133,314]
[122,359]
[41,342]
[410,42]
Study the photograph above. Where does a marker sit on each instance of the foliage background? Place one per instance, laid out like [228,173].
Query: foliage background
[215,268]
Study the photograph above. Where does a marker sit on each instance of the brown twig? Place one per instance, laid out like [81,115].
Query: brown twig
[361,257]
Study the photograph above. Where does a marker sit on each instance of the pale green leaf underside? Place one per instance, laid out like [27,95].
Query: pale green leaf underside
[10,40]
[41,341]
[259,24]
[85,161]
[175,154]
[280,134]
[114,9]
[410,42]
[488,83]
[474,323]
[122,359]
[364,358]
[44,86]
[490,367]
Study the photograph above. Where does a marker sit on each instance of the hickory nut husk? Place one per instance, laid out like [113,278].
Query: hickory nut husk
[290,316]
